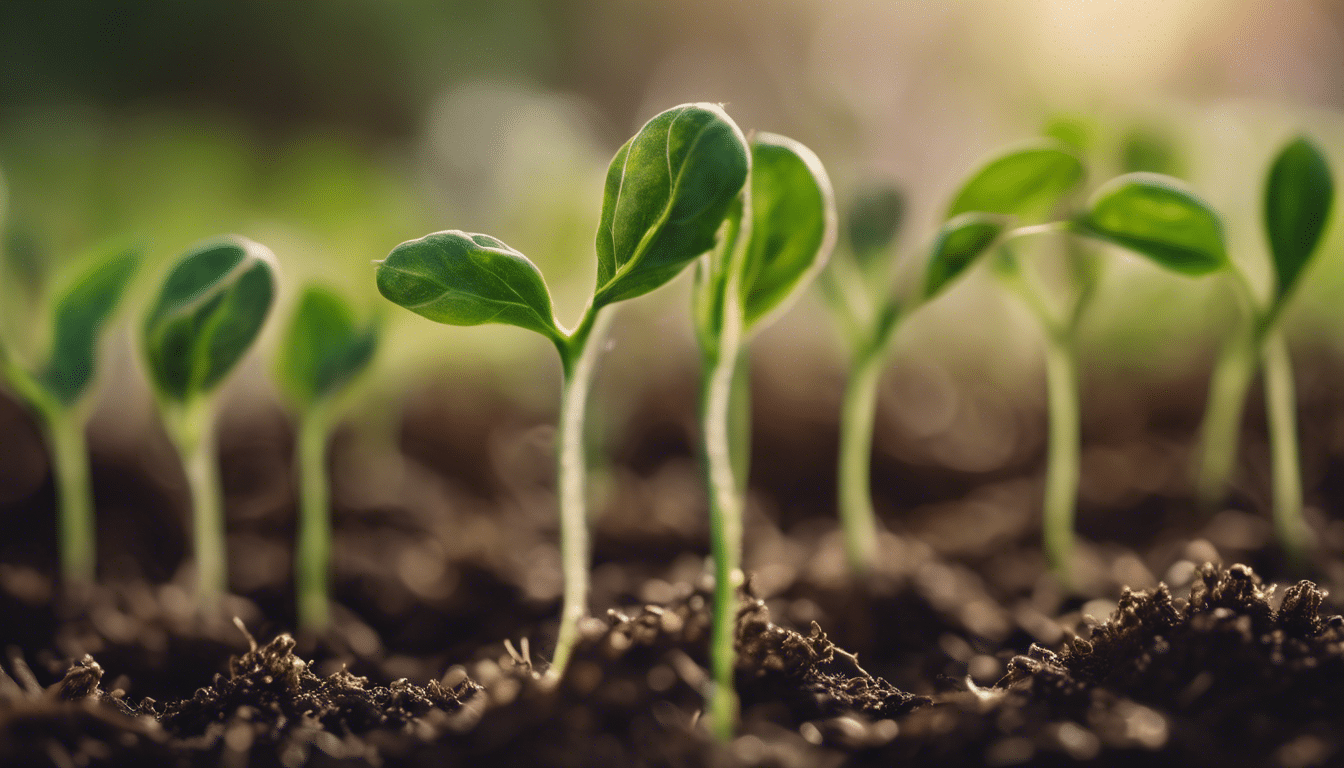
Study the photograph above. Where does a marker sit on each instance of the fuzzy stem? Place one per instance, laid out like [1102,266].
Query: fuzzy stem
[312,560]
[1221,427]
[74,493]
[1061,472]
[858,410]
[193,431]
[1281,411]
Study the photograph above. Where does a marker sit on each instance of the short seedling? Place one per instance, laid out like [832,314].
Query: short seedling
[323,351]
[56,393]
[667,192]
[1299,193]
[779,235]
[209,311]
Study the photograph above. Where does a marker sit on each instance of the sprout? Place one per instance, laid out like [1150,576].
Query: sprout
[56,392]
[667,193]
[1299,193]
[209,311]
[323,352]
[779,236]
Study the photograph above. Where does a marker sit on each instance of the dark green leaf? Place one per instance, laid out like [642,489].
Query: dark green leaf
[1026,182]
[1158,217]
[78,318]
[1298,195]
[874,221]
[960,242]
[210,310]
[323,349]
[793,223]
[667,192]
[460,278]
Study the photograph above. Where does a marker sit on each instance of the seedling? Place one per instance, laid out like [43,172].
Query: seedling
[1299,193]
[57,393]
[208,312]
[779,234]
[667,193]
[323,351]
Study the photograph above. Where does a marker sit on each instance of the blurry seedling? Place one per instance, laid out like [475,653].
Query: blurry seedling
[208,312]
[667,192]
[322,352]
[1298,196]
[56,392]
[779,234]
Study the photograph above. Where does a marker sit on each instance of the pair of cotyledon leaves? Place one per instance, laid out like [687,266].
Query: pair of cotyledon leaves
[213,305]
[667,193]
[1153,215]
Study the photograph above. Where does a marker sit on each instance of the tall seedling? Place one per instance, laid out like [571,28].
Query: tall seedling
[57,393]
[209,311]
[779,235]
[1299,193]
[323,351]
[667,193]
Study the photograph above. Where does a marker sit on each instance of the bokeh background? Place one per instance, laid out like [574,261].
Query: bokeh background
[331,131]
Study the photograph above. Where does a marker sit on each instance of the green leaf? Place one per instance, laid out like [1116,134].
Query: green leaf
[1158,217]
[960,242]
[209,311]
[1026,182]
[874,221]
[1148,150]
[667,192]
[323,349]
[458,278]
[78,317]
[793,225]
[1298,195]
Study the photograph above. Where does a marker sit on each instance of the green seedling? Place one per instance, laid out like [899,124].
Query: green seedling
[210,309]
[666,195]
[1298,196]
[323,351]
[56,392]
[779,234]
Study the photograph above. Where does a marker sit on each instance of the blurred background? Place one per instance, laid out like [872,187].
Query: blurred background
[332,131]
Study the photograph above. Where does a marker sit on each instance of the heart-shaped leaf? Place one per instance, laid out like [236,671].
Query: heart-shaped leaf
[1025,182]
[1158,217]
[209,311]
[793,224]
[874,220]
[667,192]
[960,242]
[459,278]
[78,318]
[323,349]
[1298,195]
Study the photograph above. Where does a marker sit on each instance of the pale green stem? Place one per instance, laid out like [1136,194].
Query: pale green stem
[192,427]
[1220,429]
[858,410]
[1281,411]
[1061,473]
[312,560]
[578,356]
[74,493]
[739,412]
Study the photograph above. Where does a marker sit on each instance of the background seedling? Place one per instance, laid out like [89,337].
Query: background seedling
[1298,196]
[323,351]
[667,192]
[208,312]
[779,234]
[56,392]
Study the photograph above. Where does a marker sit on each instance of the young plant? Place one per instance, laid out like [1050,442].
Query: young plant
[56,394]
[1298,196]
[667,192]
[208,312]
[1149,214]
[323,351]
[779,235]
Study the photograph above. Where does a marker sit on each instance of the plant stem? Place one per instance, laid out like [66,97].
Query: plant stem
[74,493]
[1281,411]
[739,414]
[1061,472]
[858,410]
[578,358]
[312,561]
[1221,427]
[193,431]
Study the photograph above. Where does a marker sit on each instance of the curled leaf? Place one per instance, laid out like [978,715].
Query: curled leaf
[78,318]
[959,244]
[1298,194]
[1025,182]
[324,348]
[1156,216]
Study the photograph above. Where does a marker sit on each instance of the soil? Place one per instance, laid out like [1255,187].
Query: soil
[959,649]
